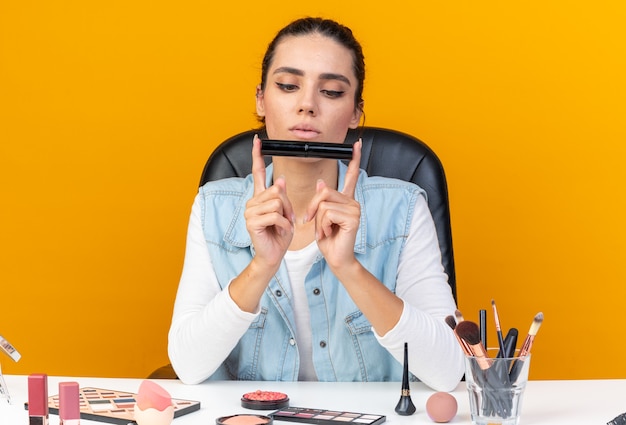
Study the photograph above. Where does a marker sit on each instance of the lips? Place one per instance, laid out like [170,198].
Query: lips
[304,132]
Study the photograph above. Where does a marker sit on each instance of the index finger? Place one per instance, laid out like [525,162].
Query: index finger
[352,175]
[258,166]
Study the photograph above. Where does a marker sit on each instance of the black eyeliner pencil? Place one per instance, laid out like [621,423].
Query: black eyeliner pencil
[306,149]
[482,325]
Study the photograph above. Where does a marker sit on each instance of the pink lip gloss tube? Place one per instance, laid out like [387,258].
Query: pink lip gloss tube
[69,403]
[38,399]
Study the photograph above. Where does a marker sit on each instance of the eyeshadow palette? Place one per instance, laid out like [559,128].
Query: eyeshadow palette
[326,417]
[115,407]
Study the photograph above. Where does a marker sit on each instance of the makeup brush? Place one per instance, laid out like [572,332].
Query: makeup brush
[469,332]
[498,328]
[526,346]
[452,323]
[405,406]
[532,332]
[458,316]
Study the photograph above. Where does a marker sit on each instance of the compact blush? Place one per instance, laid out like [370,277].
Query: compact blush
[264,400]
[244,420]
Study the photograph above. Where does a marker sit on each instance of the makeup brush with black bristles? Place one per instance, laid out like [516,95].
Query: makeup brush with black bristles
[452,323]
[469,332]
[405,406]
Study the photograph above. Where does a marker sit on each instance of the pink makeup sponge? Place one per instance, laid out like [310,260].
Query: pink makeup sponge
[441,407]
[152,395]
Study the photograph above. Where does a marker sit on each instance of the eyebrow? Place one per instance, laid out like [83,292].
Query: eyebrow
[324,76]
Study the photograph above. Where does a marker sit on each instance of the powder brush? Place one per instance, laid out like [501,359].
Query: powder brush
[469,332]
[452,323]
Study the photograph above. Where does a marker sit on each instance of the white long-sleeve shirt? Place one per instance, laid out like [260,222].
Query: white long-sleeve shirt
[207,323]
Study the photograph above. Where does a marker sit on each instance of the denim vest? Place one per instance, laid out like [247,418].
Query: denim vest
[344,345]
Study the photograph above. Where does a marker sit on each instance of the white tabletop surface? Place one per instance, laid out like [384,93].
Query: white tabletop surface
[546,402]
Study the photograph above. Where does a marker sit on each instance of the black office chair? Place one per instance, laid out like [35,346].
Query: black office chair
[385,152]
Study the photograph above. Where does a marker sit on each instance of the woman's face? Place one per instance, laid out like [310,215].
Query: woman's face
[310,89]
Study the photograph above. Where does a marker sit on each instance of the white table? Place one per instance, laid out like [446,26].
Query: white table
[589,402]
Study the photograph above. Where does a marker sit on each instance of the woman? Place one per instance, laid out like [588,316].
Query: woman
[301,270]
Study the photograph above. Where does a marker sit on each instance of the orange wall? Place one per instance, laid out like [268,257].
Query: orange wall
[108,111]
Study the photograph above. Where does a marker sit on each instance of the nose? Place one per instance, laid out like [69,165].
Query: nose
[307,102]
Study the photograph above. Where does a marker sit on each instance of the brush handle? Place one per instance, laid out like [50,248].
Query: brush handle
[493,380]
[482,326]
[516,369]
[467,350]
[484,362]
[527,345]
[500,342]
[498,328]
[510,342]
[523,353]
[619,420]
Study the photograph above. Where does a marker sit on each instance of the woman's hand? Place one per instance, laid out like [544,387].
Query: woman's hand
[337,216]
[269,214]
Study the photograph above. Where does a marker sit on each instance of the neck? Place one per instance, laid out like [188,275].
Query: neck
[302,176]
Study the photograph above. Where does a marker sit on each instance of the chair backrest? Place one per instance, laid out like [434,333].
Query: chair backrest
[385,152]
